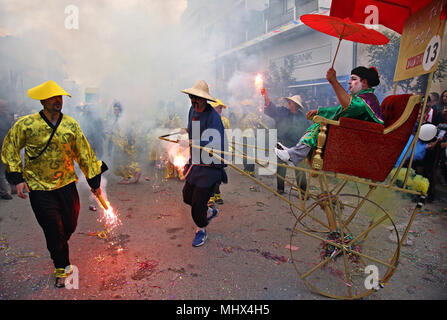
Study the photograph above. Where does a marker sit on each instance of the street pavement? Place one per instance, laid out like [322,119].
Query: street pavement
[150,257]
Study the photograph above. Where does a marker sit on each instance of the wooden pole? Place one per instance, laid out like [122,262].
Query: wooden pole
[427,91]
[336,51]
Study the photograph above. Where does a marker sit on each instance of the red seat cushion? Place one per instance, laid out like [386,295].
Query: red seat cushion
[361,149]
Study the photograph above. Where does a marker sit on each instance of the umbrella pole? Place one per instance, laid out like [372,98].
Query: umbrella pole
[336,51]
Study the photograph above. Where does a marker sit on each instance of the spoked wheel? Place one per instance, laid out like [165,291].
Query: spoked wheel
[353,260]
[313,212]
[313,217]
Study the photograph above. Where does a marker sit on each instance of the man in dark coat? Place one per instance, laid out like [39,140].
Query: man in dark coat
[291,123]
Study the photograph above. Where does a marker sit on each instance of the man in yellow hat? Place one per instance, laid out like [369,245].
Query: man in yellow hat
[219,106]
[202,176]
[52,142]
[291,123]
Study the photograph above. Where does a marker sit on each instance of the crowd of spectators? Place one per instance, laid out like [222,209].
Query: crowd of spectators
[434,166]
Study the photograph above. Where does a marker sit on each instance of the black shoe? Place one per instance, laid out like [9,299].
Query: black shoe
[280,191]
[6,197]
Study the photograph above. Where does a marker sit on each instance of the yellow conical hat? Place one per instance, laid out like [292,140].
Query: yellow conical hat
[47,90]
[218,103]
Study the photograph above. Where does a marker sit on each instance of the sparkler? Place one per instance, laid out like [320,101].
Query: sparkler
[101,200]
[259,82]
[179,161]
[178,155]
[108,216]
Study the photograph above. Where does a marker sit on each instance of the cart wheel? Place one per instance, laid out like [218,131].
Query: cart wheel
[313,216]
[311,212]
[353,268]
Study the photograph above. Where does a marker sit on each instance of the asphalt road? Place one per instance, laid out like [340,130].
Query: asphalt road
[149,256]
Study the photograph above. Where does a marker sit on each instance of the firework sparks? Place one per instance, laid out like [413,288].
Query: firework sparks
[259,81]
[178,156]
[108,215]
[179,161]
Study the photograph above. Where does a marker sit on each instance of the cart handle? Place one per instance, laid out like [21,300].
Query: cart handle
[320,119]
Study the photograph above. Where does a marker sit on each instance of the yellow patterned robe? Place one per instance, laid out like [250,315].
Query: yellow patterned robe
[54,168]
[124,154]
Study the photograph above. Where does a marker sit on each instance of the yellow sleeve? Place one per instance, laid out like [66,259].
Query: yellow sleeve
[12,144]
[225,122]
[85,156]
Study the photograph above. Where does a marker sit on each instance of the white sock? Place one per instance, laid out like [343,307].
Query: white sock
[210,212]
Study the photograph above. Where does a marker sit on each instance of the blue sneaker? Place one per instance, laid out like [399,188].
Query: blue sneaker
[212,213]
[199,239]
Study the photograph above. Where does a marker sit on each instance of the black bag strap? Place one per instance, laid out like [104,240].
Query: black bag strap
[54,127]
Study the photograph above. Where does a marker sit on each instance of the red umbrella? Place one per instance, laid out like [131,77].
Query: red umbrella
[390,13]
[343,29]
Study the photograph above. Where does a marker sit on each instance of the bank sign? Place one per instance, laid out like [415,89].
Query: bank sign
[307,58]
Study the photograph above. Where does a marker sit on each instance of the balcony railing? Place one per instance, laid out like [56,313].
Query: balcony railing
[270,20]
[277,21]
[238,38]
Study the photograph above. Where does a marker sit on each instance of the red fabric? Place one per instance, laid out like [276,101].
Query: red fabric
[444,12]
[391,13]
[360,148]
[344,28]
[350,123]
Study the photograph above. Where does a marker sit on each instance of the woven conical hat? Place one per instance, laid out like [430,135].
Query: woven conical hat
[47,90]
[200,89]
[297,100]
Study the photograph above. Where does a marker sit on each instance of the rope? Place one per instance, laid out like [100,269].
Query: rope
[305,170]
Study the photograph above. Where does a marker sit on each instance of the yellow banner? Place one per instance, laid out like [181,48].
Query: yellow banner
[420,45]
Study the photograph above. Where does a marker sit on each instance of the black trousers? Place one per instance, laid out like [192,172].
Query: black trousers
[216,189]
[250,152]
[198,198]
[281,171]
[57,213]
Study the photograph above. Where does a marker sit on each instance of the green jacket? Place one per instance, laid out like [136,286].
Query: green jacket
[364,106]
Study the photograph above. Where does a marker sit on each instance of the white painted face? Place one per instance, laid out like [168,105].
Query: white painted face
[355,84]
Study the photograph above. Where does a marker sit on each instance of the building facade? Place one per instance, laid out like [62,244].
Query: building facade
[260,36]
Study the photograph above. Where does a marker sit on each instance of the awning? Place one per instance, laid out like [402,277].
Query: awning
[318,82]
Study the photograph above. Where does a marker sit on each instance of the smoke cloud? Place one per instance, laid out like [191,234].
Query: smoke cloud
[122,47]
[138,52]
